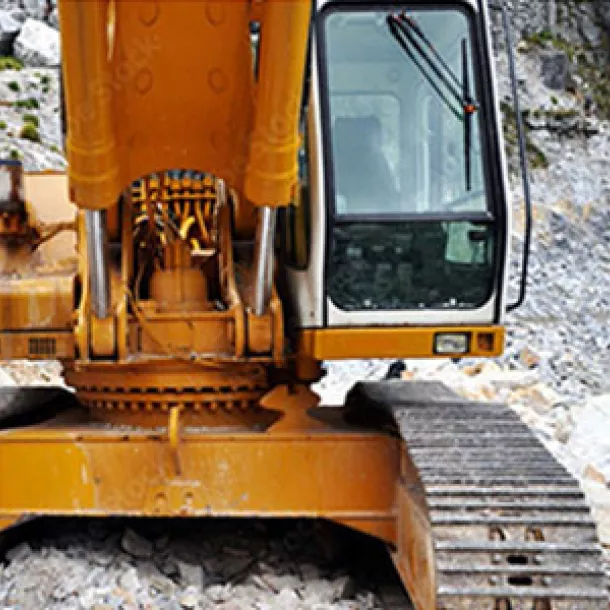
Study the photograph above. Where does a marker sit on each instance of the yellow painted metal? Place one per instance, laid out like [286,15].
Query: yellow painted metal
[47,198]
[124,124]
[142,391]
[39,276]
[171,85]
[294,404]
[173,434]
[83,470]
[414,551]
[95,180]
[37,302]
[102,336]
[272,166]
[36,345]
[8,521]
[394,342]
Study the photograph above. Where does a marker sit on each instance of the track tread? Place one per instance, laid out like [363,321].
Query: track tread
[511,526]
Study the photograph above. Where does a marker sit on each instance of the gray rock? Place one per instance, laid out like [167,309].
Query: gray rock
[54,19]
[190,599]
[233,566]
[219,593]
[19,553]
[344,587]
[554,70]
[35,8]
[129,580]
[135,545]
[9,28]
[38,44]
[6,379]
[18,15]
[535,120]
[563,123]
[590,440]
[591,127]
[162,584]
[191,575]
[287,600]
[603,10]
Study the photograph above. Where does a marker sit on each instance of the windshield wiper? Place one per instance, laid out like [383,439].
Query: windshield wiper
[404,37]
[469,109]
[414,41]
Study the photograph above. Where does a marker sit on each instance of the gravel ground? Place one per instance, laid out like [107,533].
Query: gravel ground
[110,565]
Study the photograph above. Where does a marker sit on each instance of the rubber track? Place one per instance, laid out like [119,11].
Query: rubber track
[511,527]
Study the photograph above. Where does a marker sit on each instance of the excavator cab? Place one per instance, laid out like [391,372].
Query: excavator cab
[406,215]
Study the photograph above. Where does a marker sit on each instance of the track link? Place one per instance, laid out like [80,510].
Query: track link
[511,528]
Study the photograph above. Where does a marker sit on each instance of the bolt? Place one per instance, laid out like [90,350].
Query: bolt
[494,580]
[547,581]
[496,558]
[538,559]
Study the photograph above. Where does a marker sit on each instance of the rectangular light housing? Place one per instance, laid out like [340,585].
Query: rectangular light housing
[451,343]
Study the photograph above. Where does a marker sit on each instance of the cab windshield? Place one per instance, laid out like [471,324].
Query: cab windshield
[404,124]
[398,131]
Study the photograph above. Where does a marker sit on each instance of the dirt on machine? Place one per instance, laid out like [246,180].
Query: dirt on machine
[255,188]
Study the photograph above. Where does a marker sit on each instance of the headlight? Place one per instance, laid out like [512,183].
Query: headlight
[451,343]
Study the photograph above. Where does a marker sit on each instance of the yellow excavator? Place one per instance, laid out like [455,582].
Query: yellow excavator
[256,187]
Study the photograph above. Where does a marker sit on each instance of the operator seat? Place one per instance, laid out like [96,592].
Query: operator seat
[362,173]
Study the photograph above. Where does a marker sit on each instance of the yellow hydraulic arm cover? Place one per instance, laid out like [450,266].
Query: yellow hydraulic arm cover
[152,86]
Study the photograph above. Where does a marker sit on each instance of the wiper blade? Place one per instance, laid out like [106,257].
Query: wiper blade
[399,33]
[469,110]
[414,26]
[408,34]
[444,73]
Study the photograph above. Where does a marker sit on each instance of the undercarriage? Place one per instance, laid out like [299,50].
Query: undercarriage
[474,510]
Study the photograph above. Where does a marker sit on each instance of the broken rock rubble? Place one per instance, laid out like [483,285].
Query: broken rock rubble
[66,572]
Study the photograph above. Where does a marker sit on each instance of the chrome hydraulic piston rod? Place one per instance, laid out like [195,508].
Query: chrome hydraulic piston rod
[263,260]
[97,252]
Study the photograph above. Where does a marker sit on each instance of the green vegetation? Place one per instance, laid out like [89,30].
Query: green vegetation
[540,39]
[55,149]
[45,79]
[14,86]
[545,39]
[31,119]
[2,124]
[535,157]
[10,63]
[31,104]
[14,155]
[29,132]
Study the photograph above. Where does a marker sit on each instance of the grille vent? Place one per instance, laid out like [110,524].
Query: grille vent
[42,346]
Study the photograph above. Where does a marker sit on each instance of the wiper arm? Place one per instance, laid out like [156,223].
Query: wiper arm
[442,70]
[406,31]
[469,110]
[402,35]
